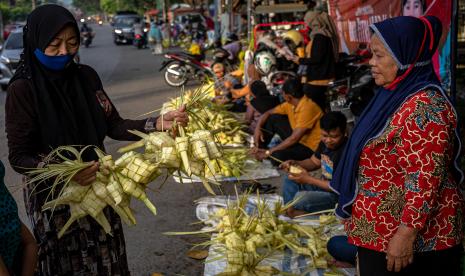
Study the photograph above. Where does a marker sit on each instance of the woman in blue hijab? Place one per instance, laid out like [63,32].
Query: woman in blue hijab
[398,179]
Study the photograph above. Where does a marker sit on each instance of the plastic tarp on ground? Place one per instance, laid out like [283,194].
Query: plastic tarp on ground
[284,261]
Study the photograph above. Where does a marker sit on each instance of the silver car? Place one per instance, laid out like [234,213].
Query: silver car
[9,57]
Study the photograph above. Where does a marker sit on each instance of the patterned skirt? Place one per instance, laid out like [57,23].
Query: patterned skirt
[84,249]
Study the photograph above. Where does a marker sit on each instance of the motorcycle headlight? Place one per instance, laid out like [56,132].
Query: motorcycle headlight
[118,31]
[4,59]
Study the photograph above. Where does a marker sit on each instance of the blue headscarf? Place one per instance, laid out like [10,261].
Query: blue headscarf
[411,42]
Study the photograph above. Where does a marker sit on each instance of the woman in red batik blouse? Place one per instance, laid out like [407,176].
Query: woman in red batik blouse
[398,180]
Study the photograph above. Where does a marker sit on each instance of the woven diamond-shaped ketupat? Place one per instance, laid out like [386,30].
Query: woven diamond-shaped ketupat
[213,150]
[136,190]
[160,140]
[101,192]
[197,168]
[125,171]
[139,170]
[182,146]
[169,157]
[125,159]
[92,204]
[115,189]
[202,134]
[199,150]
[206,137]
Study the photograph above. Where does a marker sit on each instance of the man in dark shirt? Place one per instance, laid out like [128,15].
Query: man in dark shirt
[314,193]
[85,28]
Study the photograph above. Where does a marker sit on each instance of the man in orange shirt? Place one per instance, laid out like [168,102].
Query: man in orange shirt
[296,121]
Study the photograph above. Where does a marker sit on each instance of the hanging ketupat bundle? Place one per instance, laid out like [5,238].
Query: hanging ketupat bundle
[126,177]
[115,183]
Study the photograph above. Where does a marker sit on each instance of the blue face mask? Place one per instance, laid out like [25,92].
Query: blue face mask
[55,63]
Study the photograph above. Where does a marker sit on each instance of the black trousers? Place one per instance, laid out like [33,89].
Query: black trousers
[279,124]
[432,263]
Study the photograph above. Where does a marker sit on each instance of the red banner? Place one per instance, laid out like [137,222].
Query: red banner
[353,18]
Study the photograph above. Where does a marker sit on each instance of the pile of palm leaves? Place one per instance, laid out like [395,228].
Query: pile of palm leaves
[245,240]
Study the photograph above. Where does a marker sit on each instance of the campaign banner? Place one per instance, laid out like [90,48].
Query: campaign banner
[353,18]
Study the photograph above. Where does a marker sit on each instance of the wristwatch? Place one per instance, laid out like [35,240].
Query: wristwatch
[151,124]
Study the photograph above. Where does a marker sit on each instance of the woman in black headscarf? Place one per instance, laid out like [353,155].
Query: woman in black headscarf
[260,103]
[53,102]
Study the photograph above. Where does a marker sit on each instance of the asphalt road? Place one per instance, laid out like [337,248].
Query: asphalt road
[131,78]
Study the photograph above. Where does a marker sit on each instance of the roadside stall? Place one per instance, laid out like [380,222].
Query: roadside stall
[151,14]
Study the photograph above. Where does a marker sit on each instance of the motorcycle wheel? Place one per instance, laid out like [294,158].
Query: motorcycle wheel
[176,79]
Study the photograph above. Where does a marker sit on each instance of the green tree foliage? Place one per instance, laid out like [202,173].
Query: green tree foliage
[111,6]
[17,13]
[87,6]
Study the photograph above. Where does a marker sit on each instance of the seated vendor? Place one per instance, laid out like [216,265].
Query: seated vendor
[223,82]
[296,122]
[228,89]
[314,193]
[261,102]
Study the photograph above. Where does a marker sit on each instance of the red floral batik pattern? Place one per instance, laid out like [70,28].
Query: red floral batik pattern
[404,179]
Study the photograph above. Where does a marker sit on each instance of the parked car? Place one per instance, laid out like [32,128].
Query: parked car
[11,27]
[9,57]
[123,31]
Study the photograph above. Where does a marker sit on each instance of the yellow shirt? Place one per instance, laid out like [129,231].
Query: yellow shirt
[306,115]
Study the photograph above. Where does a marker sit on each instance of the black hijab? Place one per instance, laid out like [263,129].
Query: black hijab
[262,100]
[66,104]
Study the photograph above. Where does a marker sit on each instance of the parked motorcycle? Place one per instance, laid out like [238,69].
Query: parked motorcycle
[352,93]
[276,79]
[221,55]
[180,67]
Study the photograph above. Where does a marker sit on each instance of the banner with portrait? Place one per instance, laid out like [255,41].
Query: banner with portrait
[353,18]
